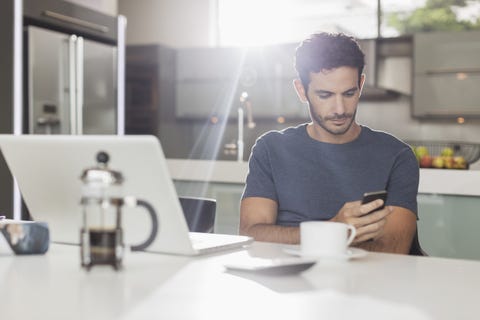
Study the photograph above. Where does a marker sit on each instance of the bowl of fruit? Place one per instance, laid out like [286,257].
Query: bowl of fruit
[445,155]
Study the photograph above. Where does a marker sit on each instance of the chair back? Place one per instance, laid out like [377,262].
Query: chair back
[199,213]
[415,248]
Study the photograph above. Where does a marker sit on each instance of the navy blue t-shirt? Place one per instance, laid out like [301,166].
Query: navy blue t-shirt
[312,180]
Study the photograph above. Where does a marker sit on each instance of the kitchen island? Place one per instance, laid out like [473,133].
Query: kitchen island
[432,181]
[448,202]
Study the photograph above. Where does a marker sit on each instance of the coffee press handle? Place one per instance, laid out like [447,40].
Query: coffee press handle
[153,232]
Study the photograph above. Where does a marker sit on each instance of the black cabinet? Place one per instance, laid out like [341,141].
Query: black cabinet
[149,88]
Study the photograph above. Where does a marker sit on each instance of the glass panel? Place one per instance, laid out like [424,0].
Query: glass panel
[228,196]
[448,225]
[48,82]
[100,90]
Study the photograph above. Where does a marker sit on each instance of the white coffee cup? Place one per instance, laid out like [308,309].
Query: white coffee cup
[325,238]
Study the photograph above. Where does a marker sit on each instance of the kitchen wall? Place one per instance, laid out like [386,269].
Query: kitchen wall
[184,23]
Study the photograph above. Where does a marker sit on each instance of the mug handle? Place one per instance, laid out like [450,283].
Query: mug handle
[353,233]
[154,230]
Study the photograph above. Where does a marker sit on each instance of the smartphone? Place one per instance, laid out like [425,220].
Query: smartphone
[370,196]
[281,266]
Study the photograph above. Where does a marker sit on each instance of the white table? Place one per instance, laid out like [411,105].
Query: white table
[154,286]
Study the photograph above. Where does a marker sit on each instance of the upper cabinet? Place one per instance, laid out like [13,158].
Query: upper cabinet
[446,75]
[210,81]
[387,67]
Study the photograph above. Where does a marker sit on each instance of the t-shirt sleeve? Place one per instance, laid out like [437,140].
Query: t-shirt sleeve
[260,181]
[403,183]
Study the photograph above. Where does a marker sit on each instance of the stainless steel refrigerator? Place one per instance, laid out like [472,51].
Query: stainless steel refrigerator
[72,84]
[62,73]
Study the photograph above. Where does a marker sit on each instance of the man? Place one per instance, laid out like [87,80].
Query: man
[320,170]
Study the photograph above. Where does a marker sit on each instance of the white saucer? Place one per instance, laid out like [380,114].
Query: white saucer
[352,253]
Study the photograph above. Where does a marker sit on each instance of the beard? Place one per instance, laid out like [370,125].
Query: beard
[323,121]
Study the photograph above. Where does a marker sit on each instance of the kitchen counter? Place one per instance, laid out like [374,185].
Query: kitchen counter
[207,170]
[436,181]
[448,202]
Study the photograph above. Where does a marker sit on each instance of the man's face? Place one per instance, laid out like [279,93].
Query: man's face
[333,98]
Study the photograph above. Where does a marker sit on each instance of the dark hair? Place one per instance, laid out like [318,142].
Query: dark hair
[325,51]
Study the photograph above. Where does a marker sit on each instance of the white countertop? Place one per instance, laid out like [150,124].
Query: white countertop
[437,181]
[157,286]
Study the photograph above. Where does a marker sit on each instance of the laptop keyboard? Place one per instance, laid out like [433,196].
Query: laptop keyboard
[211,241]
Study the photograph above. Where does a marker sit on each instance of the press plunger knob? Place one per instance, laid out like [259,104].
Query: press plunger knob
[103,157]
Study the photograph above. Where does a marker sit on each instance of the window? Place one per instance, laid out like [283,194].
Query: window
[266,22]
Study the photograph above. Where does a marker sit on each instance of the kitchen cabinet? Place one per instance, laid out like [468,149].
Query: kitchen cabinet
[150,71]
[447,75]
[387,68]
[211,80]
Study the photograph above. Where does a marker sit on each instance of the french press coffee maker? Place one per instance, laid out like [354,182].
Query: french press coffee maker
[101,234]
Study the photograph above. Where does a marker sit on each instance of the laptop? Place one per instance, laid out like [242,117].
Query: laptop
[48,169]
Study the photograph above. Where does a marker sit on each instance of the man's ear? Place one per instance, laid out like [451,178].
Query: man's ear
[362,82]
[300,89]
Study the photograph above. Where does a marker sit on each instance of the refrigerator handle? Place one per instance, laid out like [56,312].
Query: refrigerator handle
[79,82]
[71,82]
[121,27]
